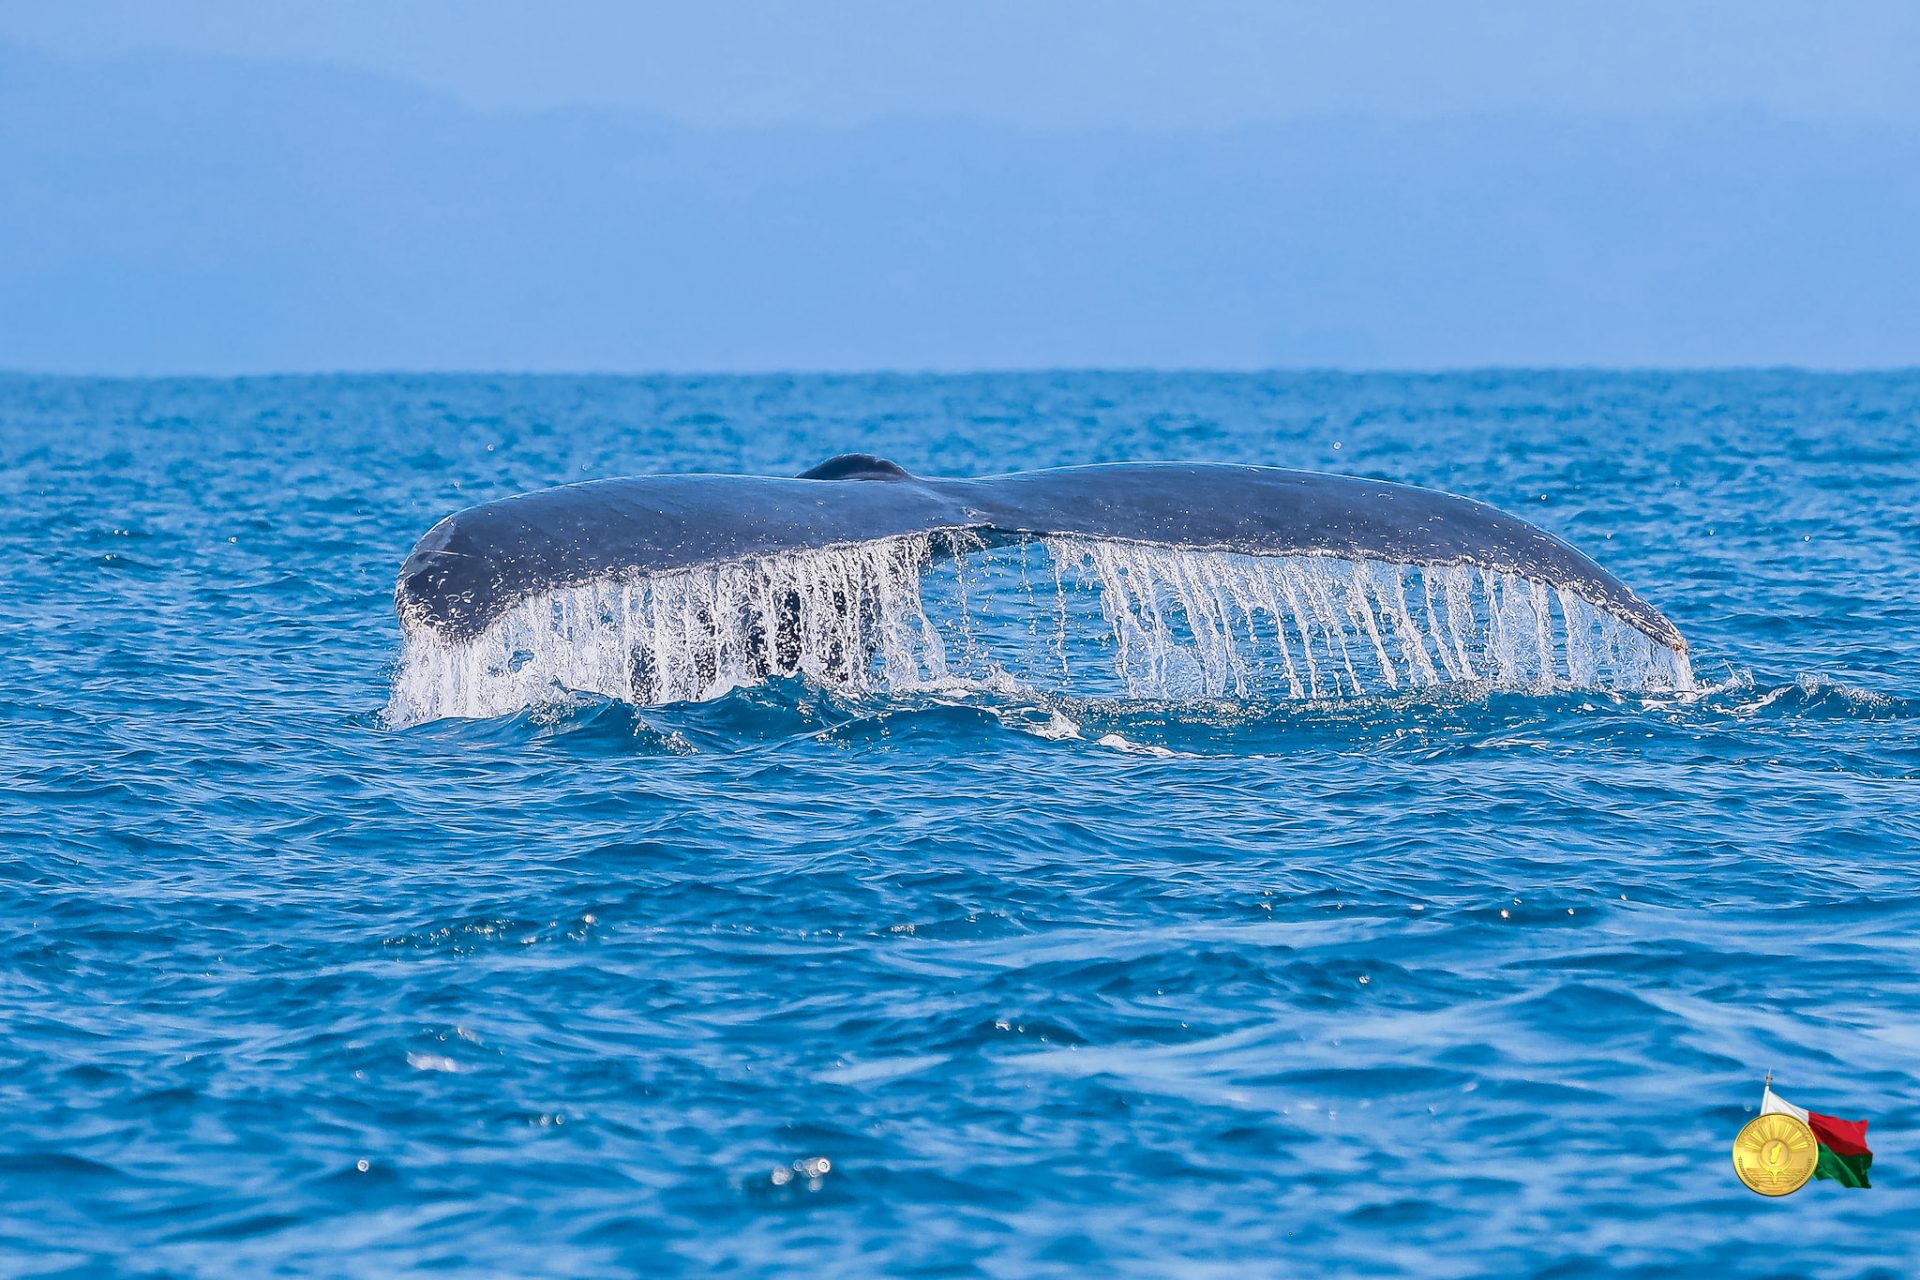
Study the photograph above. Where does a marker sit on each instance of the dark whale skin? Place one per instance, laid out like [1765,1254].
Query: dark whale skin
[472,566]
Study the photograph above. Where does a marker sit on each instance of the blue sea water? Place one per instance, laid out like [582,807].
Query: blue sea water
[1423,985]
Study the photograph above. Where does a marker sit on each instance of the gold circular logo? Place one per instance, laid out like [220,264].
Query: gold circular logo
[1775,1154]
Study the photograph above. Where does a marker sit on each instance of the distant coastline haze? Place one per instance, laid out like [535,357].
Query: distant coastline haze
[189,193]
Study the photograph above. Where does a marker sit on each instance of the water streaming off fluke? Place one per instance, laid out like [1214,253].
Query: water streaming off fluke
[1090,616]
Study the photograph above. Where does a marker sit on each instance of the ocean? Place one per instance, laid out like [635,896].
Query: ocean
[1019,971]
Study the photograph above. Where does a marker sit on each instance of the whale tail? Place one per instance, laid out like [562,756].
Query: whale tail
[699,582]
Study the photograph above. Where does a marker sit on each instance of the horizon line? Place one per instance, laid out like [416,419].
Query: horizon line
[939,371]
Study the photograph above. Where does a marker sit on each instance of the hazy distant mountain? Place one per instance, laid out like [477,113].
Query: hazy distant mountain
[162,213]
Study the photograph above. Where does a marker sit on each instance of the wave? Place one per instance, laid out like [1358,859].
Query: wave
[1428,724]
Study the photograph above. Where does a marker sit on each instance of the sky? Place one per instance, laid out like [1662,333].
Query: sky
[1064,64]
[231,187]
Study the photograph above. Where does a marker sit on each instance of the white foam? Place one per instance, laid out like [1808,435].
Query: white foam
[1130,618]
[1217,624]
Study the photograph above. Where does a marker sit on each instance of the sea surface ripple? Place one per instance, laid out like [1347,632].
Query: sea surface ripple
[977,983]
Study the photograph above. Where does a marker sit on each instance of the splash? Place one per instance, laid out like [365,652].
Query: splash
[930,611]
[1217,624]
[850,618]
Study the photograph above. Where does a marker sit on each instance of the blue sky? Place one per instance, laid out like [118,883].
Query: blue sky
[1064,63]
[228,187]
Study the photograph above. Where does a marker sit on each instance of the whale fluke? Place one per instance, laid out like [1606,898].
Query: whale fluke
[475,565]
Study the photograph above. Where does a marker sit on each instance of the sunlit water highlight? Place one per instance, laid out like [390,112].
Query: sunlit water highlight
[1153,943]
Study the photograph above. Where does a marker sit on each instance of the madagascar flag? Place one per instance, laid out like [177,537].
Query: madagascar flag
[1843,1143]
